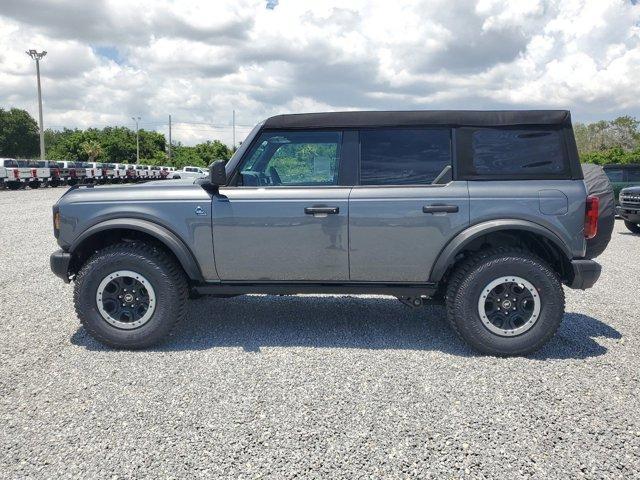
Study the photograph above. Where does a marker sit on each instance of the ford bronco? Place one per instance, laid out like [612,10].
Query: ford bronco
[487,212]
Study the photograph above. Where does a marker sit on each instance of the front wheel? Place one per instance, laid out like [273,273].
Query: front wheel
[130,295]
[505,302]
[633,227]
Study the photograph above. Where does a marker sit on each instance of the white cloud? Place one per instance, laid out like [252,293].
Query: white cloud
[112,59]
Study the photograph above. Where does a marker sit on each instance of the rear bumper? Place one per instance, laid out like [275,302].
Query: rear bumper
[59,261]
[585,274]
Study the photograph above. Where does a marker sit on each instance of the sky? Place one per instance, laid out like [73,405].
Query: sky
[110,60]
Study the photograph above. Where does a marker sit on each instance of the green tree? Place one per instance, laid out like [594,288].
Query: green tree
[92,149]
[19,134]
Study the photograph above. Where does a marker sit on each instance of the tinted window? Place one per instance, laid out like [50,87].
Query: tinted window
[403,156]
[614,174]
[513,152]
[10,163]
[633,175]
[293,158]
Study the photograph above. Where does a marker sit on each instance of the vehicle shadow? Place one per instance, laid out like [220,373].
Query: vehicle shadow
[252,322]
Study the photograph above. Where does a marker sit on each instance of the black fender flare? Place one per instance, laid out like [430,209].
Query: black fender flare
[448,254]
[160,233]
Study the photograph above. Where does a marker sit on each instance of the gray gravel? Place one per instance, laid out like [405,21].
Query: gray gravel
[309,386]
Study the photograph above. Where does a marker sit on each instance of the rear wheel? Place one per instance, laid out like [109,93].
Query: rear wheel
[505,302]
[13,185]
[34,185]
[130,295]
[633,227]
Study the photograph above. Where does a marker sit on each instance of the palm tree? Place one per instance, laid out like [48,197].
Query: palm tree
[93,149]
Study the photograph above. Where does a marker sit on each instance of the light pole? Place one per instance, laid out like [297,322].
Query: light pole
[136,119]
[37,57]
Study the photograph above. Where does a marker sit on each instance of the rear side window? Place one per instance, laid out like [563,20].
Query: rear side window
[403,156]
[513,153]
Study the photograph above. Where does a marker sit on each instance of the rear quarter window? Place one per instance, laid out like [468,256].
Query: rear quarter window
[513,153]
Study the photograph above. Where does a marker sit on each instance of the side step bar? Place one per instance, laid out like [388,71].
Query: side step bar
[241,288]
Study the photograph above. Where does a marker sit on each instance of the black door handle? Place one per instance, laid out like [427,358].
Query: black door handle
[323,210]
[440,209]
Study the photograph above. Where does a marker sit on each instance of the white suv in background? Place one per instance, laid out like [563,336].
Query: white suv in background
[190,172]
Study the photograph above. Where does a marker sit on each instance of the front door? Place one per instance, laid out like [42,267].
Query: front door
[286,219]
[405,208]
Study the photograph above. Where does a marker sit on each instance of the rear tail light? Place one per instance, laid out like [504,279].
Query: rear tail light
[93,172]
[55,172]
[34,172]
[72,173]
[16,174]
[592,211]
[56,221]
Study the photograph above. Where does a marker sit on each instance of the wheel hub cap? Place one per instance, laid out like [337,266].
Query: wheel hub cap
[125,299]
[509,306]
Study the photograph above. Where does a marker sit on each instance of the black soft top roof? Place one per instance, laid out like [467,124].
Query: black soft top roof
[479,118]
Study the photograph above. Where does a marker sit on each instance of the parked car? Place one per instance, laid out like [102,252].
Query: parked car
[103,172]
[190,172]
[630,208]
[19,172]
[486,211]
[77,172]
[622,176]
[40,173]
[58,174]
[3,173]
[142,172]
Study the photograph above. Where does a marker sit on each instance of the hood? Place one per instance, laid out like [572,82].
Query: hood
[634,189]
[161,190]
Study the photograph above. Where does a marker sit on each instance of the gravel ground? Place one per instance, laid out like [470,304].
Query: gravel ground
[309,386]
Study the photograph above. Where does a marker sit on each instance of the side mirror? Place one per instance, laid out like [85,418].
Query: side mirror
[217,173]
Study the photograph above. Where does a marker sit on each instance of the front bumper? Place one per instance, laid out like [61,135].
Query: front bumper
[585,274]
[630,214]
[59,261]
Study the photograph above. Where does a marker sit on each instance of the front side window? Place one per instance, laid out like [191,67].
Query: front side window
[293,159]
[514,152]
[615,174]
[633,175]
[403,156]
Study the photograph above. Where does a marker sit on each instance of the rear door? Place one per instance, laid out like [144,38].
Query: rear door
[286,219]
[406,206]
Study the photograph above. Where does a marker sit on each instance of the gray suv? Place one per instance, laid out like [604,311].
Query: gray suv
[484,211]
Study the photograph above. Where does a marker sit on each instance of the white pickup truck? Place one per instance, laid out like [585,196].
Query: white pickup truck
[190,172]
[142,171]
[77,172]
[20,173]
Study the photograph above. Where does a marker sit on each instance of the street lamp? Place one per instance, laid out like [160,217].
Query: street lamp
[37,57]
[136,119]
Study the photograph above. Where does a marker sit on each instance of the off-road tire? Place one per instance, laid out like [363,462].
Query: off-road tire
[632,227]
[166,277]
[474,274]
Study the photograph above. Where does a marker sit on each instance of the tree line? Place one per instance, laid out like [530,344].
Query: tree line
[603,142]
[19,138]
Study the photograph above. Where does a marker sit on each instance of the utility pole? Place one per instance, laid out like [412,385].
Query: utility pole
[234,131]
[169,138]
[136,119]
[37,57]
